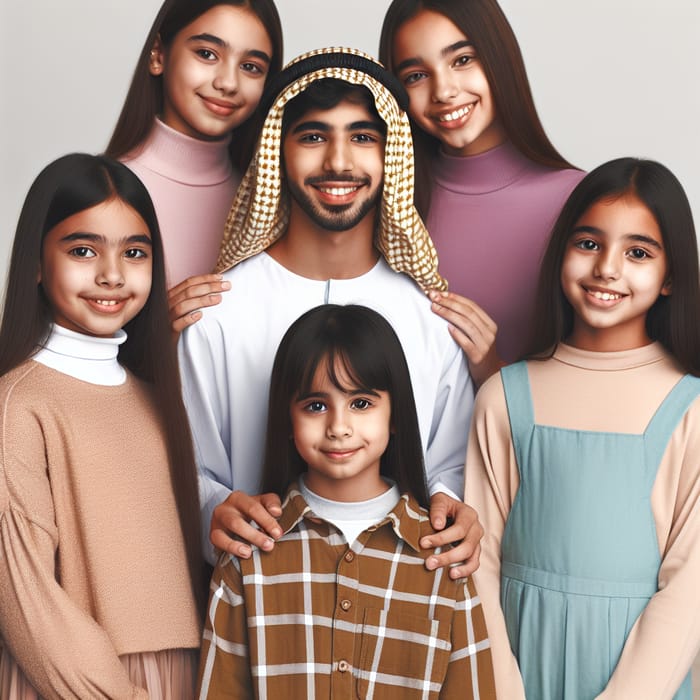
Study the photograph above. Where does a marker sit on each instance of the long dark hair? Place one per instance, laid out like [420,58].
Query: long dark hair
[497,48]
[368,350]
[65,187]
[144,100]
[673,320]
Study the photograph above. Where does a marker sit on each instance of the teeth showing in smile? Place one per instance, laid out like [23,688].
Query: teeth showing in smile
[107,302]
[338,191]
[457,114]
[606,296]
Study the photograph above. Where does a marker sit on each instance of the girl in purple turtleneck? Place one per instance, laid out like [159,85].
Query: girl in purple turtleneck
[489,182]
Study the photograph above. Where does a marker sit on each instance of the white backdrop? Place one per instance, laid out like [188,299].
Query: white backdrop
[610,77]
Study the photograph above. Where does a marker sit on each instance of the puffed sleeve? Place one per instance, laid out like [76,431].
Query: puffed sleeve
[61,650]
[492,480]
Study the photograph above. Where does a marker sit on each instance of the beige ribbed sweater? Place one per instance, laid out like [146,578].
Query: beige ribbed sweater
[92,562]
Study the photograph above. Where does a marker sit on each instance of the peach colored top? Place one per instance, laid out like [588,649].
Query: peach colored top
[613,392]
[92,563]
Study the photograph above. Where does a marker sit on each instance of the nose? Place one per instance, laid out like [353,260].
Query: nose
[110,273]
[338,425]
[607,265]
[338,156]
[444,86]
[226,79]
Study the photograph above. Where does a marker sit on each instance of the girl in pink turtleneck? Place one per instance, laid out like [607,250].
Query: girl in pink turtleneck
[186,130]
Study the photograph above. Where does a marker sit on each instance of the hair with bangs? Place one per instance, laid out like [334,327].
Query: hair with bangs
[673,320]
[144,100]
[487,27]
[65,187]
[365,346]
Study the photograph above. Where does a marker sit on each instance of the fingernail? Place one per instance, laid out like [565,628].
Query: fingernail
[434,296]
[226,285]
[431,563]
[215,297]
[244,552]
[277,532]
[268,545]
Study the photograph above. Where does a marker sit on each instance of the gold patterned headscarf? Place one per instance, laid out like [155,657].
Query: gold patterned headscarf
[260,212]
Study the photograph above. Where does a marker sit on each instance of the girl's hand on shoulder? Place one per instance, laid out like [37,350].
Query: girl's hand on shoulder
[464,531]
[473,330]
[187,298]
[231,530]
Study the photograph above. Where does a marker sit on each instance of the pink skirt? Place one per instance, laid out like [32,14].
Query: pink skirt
[166,675]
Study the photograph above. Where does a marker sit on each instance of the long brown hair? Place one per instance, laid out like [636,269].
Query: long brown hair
[497,48]
[65,187]
[144,100]
[673,320]
[367,348]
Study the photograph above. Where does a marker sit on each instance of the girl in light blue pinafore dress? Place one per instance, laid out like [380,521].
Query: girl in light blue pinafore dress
[579,552]
[574,580]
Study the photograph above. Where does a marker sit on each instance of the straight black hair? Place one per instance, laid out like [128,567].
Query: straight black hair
[69,185]
[487,27]
[366,347]
[673,320]
[144,100]
[325,94]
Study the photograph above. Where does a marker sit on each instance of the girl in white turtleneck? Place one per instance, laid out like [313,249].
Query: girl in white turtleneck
[186,130]
[98,491]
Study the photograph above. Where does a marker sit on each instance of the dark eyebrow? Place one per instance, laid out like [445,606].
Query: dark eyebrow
[97,238]
[462,44]
[311,126]
[213,39]
[324,397]
[326,128]
[639,237]
[416,60]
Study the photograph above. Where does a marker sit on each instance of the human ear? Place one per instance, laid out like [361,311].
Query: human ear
[155,60]
[667,288]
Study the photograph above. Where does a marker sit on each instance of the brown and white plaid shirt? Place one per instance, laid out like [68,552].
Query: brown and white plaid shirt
[315,618]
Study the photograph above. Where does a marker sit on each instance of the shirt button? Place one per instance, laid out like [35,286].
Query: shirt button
[343,666]
[346,604]
[349,556]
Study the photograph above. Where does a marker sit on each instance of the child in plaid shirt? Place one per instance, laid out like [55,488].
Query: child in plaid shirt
[343,605]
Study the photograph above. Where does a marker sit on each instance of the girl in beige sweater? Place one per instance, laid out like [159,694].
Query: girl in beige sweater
[98,495]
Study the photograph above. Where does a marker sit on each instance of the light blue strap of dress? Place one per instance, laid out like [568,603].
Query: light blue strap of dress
[516,387]
[666,419]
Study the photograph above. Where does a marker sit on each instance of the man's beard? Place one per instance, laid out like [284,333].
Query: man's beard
[334,218]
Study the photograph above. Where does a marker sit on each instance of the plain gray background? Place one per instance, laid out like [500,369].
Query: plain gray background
[610,77]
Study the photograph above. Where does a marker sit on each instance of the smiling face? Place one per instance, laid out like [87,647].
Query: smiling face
[613,271]
[213,72]
[334,165]
[96,268]
[449,95]
[341,435]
